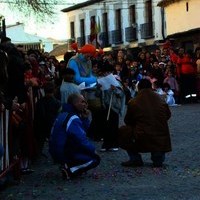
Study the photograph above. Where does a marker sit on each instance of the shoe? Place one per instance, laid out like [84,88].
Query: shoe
[25,171]
[103,149]
[131,163]
[113,149]
[66,174]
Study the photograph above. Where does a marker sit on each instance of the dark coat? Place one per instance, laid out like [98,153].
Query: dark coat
[148,114]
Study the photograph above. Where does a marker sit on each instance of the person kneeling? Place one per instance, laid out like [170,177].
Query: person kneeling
[147,117]
[68,144]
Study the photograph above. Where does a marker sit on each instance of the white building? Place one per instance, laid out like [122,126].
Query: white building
[123,24]
[18,36]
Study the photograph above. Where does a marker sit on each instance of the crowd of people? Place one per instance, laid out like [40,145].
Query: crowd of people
[64,102]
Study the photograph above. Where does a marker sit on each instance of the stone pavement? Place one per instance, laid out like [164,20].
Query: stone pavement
[180,179]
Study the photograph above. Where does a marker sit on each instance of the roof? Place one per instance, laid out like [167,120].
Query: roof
[17,35]
[185,33]
[59,50]
[165,3]
[81,5]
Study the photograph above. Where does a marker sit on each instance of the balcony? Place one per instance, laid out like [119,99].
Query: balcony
[81,41]
[131,34]
[116,36]
[146,30]
[104,39]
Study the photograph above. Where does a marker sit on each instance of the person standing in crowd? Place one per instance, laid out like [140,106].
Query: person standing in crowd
[68,144]
[82,65]
[113,100]
[46,110]
[68,86]
[147,114]
[173,83]
[186,69]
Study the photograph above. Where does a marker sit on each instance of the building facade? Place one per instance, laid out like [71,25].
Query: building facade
[28,41]
[117,24]
[182,22]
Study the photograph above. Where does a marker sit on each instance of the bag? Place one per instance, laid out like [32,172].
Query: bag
[126,137]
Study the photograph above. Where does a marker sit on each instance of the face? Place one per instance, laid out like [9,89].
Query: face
[80,104]
[118,67]
[87,56]
[157,52]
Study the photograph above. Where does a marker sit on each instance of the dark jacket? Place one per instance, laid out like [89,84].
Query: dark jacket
[148,114]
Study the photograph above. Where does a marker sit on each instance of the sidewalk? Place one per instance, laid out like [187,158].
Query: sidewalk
[109,181]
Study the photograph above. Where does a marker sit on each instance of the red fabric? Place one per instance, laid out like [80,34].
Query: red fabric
[186,65]
[173,58]
[88,48]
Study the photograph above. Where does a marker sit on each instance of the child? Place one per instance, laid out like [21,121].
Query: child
[113,100]
[171,80]
[46,111]
[169,94]
[68,86]
[158,89]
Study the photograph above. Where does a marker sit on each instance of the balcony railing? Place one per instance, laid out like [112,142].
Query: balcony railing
[146,30]
[81,41]
[116,36]
[104,39]
[130,34]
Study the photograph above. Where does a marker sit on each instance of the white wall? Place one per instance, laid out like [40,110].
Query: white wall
[98,9]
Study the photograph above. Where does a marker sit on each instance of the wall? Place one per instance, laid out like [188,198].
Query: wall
[179,20]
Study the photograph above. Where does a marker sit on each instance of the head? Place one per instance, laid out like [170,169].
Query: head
[157,52]
[49,88]
[118,67]
[5,40]
[166,87]
[107,68]
[68,74]
[78,102]
[144,84]
[88,51]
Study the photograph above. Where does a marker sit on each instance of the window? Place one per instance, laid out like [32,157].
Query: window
[187,6]
[148,6]
[132,15]
[82,27]
[72,29]
[118,19]
[105,22]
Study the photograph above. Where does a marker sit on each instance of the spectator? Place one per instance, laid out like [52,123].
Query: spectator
[68,86]
[68,144]
[147,114]
[46,110]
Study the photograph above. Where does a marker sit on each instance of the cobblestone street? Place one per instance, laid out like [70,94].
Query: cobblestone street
[179,179]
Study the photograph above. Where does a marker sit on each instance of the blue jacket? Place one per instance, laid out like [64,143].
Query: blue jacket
[68,141]
[83,70]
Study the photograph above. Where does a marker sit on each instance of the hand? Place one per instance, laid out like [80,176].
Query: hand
[22,106]
[2,107]
[112,87]
[15,104]
[86,113]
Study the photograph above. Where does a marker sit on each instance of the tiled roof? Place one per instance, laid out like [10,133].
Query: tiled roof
[164,3]
[59,50]
[81,5]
